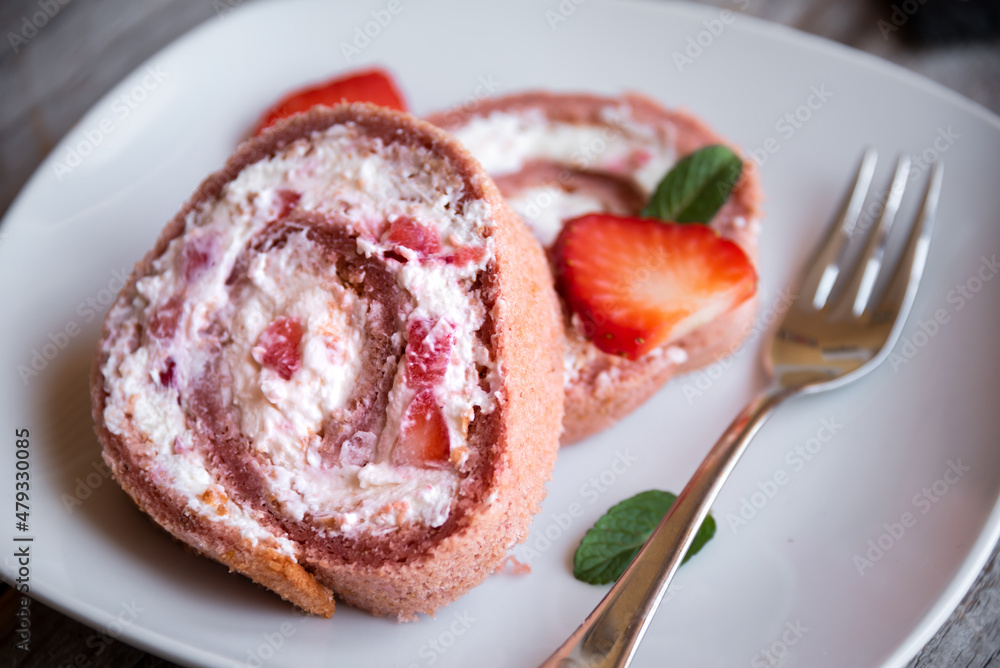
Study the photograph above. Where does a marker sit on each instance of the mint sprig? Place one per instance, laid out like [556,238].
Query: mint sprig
[609,547]
[696,187]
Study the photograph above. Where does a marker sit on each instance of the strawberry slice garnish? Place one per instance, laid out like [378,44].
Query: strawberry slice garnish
[639,283]
[374,86]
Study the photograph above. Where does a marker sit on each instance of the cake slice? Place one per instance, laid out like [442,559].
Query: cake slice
[338,371]
[556,157]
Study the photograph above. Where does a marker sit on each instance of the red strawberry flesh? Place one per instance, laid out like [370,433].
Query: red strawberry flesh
[163,321]
[167,375]
[278,347]
[374,86]
[641,283]
[411,234]
[466,255]
[287,201]
[424,439]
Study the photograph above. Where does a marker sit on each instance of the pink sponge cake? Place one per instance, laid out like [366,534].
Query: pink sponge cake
[339,371]
[558,156]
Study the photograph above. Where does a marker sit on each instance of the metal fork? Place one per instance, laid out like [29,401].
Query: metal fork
[834,333]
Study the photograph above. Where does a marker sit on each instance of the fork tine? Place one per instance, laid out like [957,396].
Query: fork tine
[902,288]
[866,270]
[825,265]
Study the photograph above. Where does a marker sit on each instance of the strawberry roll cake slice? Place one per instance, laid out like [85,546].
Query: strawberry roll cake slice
[338,371]
[557,157]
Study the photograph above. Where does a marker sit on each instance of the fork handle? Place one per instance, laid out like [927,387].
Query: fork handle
[611,633]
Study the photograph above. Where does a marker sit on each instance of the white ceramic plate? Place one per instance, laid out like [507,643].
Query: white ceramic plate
[785,578]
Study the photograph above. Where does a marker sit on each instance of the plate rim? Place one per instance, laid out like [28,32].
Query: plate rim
[976,556]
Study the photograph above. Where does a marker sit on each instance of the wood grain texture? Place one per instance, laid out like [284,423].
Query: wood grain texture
[51,80]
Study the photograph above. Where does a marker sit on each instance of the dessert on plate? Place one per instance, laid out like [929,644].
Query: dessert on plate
[339,370]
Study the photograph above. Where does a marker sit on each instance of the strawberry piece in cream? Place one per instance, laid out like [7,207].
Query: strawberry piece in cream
[411,234]
[466,255]
[167,375]
[427,352]
[287,201]
[163,322]
[278,347]
[424,437]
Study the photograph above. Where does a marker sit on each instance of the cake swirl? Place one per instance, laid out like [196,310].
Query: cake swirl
[556,156]
[316,375]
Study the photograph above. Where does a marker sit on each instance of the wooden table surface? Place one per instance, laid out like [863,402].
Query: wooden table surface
[51,78]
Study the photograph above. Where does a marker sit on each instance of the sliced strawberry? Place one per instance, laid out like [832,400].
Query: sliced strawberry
[375,86]
[408,233]
[466,255]
[167,375]
[163,322]
[428,349]
[197,256]
[287,200]
[639,283]
[278,347]
[423,435]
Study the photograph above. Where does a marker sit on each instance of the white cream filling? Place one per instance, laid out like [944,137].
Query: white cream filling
[279,415]
[365,183]
[378,497]
[504,142]
[546,208]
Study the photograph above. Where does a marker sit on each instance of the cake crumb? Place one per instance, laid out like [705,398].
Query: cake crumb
[515,566]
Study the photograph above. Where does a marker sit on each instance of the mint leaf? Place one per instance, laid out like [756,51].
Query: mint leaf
[696,187]
[609,547]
